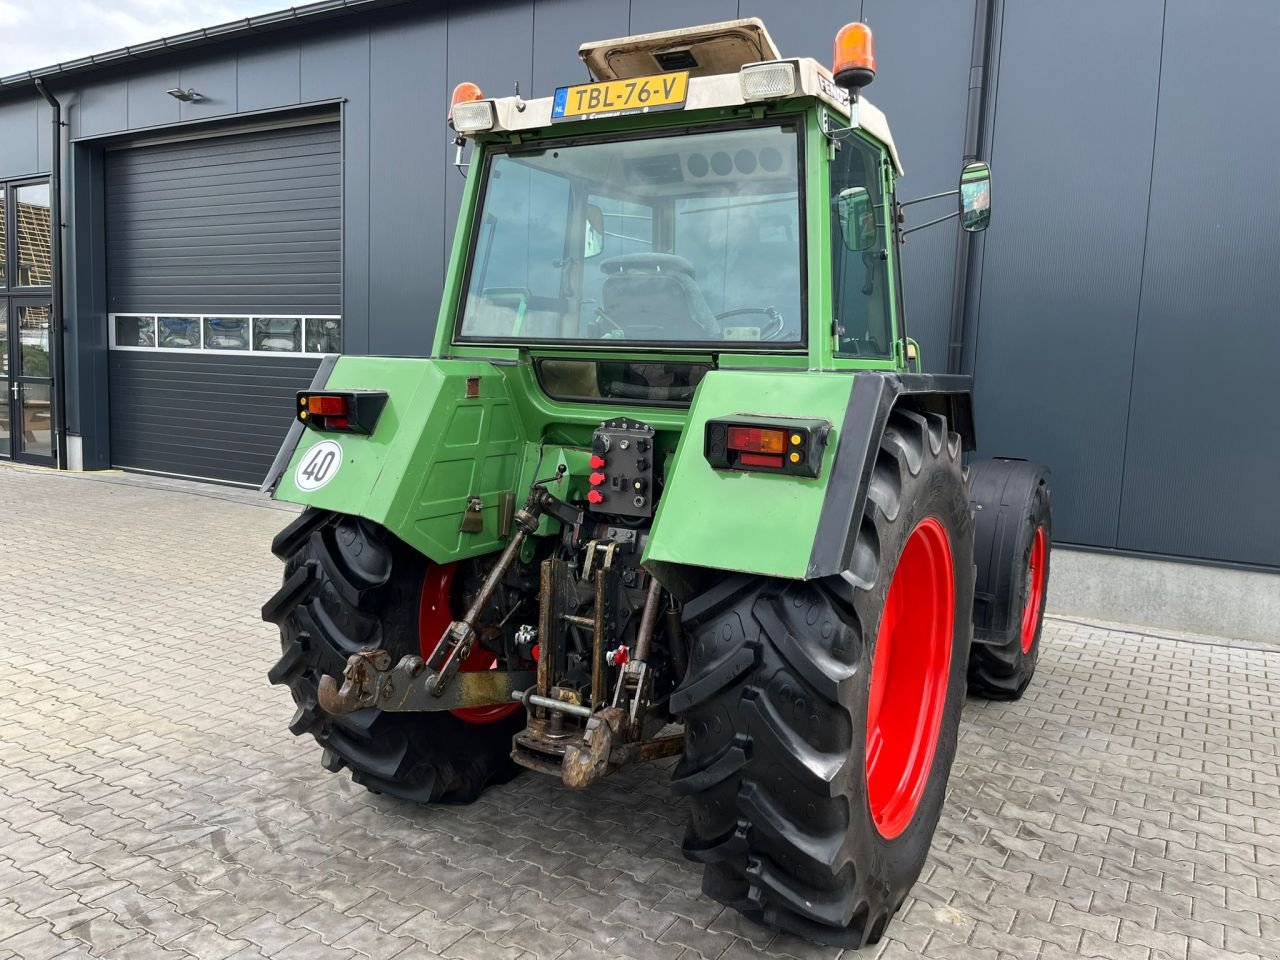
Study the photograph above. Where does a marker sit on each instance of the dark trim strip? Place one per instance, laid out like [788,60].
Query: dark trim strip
[285,454]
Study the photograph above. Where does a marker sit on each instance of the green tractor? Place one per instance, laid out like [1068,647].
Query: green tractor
[670,485]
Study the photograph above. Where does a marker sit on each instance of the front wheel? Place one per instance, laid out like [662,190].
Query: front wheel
[821,717]
[1013,540]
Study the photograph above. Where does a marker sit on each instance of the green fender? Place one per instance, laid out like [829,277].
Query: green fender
[777,525]
[434,447]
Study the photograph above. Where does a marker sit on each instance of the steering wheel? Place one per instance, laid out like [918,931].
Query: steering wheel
[776,323]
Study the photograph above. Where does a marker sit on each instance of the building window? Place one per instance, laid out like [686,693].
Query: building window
[34,266]
[279,336]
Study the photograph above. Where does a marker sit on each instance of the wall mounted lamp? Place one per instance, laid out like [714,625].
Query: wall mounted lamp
[186,96]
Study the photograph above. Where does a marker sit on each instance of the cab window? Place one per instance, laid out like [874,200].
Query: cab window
[860,275]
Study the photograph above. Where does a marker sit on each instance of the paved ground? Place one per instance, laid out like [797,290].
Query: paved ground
[153,805]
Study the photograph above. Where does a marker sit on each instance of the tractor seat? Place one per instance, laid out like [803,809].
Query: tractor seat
[653,296]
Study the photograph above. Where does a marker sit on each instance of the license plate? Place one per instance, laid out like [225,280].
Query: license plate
[616,98]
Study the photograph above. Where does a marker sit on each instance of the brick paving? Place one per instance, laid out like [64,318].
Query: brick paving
[152,803]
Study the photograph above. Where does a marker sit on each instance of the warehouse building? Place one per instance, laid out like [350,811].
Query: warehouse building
[238,201]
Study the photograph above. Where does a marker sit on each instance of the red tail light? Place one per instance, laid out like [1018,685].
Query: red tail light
[767,445]
[343,411]
[757,440]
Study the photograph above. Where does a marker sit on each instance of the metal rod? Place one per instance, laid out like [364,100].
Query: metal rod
[531,699]
[932,196]
[458,637]
[949,216]
[644,635]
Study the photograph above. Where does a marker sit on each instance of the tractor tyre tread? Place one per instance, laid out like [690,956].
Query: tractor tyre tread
[1013,498]
[350,584]
[773,757]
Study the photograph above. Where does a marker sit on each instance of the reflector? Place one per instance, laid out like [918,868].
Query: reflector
[327,406]
[757,440]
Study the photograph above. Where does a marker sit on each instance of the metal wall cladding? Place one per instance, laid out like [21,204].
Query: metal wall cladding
[240,224]
[1202,464]
[1073,126]
[200,414]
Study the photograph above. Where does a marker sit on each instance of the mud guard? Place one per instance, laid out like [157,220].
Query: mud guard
[785,526]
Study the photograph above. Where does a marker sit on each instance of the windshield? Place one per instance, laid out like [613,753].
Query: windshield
[694,238]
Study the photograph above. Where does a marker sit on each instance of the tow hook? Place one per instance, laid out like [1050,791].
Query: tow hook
[587,761]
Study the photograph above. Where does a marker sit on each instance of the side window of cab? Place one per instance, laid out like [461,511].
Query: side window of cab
[860,231]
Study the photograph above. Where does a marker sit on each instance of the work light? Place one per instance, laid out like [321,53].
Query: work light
[767,81]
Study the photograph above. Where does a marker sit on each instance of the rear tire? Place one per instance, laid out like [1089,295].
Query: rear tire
[348,584]
[790,822]
[1013,543]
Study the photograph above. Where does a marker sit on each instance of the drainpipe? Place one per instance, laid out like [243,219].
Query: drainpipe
[55,217]
[982,19]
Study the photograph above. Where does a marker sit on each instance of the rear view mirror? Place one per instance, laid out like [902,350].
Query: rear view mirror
[857,218]
[594,243]
[975,197]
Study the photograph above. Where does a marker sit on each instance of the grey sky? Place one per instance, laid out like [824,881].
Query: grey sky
[37,33]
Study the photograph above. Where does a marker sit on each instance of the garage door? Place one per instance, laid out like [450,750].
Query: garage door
[224,285]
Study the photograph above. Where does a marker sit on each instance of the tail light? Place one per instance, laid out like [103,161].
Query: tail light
[345,411]
[767,445]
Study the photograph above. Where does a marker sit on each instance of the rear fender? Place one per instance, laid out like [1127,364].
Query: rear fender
[785,526]
[433,449]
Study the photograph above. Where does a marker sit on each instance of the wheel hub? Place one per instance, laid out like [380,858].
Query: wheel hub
[1035,589]
[435,614]
[909,677]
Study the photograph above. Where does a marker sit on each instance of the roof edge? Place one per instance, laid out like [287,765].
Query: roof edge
[249,26]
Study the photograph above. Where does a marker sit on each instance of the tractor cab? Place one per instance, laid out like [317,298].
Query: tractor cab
[702,196]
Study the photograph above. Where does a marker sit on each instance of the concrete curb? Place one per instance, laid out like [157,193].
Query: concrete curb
[1186,597]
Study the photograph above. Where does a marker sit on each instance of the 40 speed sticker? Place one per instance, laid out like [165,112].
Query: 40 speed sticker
[319,466]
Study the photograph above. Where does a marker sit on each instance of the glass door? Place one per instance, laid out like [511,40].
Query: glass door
[30,374]
[26,322]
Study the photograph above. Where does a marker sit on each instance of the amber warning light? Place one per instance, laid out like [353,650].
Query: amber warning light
[854,64]
[469,111]
[794,447]
[345,411]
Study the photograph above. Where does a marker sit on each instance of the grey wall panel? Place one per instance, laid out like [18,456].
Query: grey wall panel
[406,197]
[102,107]
[559,28]
[149,104]
[19,136]
[648,16]
[1203,455]
[239,224]
[338,66]
[215,81]
[489,46]
[922,83]
[202,415]
[268,77]
[44,136]
[1059,291]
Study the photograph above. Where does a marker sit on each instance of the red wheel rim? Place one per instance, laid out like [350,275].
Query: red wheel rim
[1035,589]
[909,677]
[435,613]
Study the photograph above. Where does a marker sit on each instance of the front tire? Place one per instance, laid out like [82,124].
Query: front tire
[1013,542]
[804,711]
[348,584]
